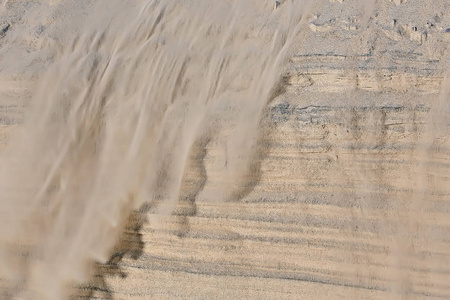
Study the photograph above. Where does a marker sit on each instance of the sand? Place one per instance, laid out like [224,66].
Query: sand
[312,167]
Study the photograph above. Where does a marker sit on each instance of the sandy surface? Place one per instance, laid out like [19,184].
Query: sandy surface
[348,194]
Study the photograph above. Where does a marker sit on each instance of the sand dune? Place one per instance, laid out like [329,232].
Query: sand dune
[313,165]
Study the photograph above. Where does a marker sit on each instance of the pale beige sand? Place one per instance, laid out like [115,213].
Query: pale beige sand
[348,192]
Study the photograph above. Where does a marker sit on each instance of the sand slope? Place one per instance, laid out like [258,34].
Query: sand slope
[348,195]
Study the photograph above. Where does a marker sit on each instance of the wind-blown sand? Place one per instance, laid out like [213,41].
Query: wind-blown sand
[200,150]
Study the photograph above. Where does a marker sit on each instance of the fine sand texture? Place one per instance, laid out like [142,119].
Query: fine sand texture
[225,149]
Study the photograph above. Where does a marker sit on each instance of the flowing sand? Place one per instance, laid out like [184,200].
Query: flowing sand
[224,149]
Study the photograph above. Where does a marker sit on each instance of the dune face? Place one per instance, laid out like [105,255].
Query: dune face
[112,124]
[224,150]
